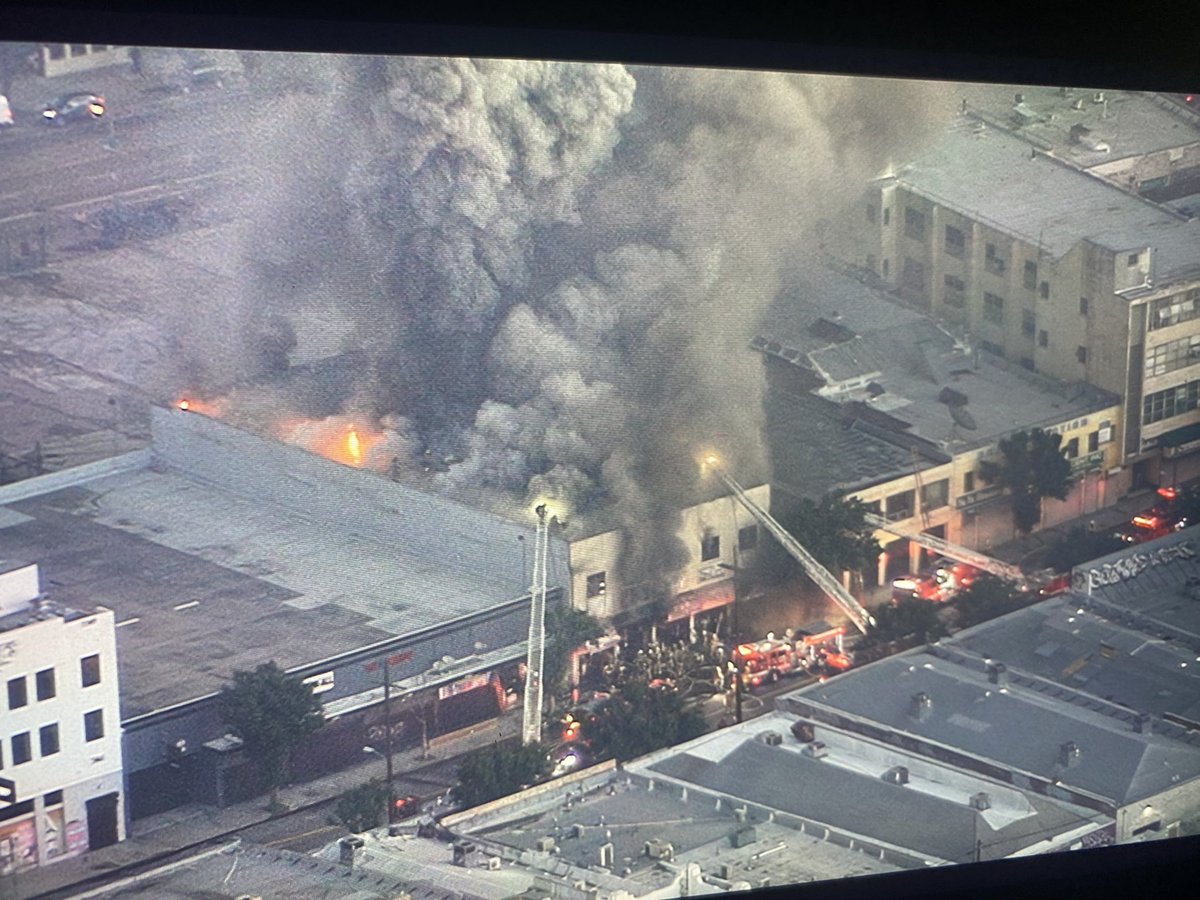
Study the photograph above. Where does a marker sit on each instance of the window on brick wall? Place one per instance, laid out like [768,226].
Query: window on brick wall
[597,584]
[1083,306]
[935,495]
[93,725]
[968,482]
[45,684]
[1028,323]
[1081,354]
[748,537]
[1043,338]
[954,291]
[1044,290]
[48,738]
[18,693]
[955,243]
[871,213]
[89,670]
[1072,448]
[1030,275]
[887,216]
[914,224]
[993,308]
[913,277]
[710,546]
[992,261]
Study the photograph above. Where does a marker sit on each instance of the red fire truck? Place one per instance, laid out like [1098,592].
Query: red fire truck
[765,662]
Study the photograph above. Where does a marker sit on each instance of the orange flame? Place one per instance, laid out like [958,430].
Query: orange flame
[342,441]
[354,447]
[203,407]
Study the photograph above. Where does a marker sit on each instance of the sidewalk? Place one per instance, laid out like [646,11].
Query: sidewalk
[191,824]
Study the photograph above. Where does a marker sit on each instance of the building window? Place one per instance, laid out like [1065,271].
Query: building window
[955,243]
[1133,260]
[1174,401]
[1173,310]
[993,308]
[1094,441]
[871,213]
[1081,354]
[992,261]
[45,684]
[93,725]
[48,738]
[22,751]
[57,51]
[597,584]
[1043,338]
[1072,448]
[1028,323]
[885,268]
[710,546]
[914,224]
[913,276]
[79,49]
[1044,290]
[1083,306]
[955,293]
[874,508]
[748,537]
[968,482]
[935,495]
[53,798]
[887,216]
[1176,354]
[18,694]
[1030,275]
[89,668]
[900,506]
[992,348]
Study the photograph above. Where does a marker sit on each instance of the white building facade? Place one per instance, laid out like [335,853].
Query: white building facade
[61,783]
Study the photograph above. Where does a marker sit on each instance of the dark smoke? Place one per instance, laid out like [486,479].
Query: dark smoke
[558,280]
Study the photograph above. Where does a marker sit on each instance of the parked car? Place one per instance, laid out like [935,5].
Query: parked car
[79,106]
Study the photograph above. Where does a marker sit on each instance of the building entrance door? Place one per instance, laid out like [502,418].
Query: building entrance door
[102,821]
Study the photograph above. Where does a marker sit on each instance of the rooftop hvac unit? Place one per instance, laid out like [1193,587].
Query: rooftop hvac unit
[545,845]
[816,750]
[771,738]
[921,706]
[660,850]
[744,837]
[804,731]
[724,870]
[1068,754]
[494,863]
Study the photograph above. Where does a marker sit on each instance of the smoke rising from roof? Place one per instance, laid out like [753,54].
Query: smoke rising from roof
[558,267]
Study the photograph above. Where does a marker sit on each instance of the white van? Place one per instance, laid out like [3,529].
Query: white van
[6,118]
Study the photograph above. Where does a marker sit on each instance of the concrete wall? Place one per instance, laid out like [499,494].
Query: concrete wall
[1169,807]
[63,59]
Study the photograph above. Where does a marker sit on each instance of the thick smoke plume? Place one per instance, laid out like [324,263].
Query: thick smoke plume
[557,268]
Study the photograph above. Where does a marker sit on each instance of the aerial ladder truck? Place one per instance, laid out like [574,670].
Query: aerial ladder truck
[818,573]
[974,558]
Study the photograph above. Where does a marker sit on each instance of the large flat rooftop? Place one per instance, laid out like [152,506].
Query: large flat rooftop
[991,175]
[858,345]
[1018,726]
[225,551]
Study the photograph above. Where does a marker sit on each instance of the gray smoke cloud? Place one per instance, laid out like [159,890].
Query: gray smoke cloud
[557,267]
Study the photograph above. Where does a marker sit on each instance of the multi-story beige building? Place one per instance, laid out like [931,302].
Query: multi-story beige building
[60,729]
[1037,262]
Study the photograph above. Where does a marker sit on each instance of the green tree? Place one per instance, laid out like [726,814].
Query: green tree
[1031,467]
[363,807]
[567,629]
[499,770]
[832,530]
[905,618]
[1080,546]
[273,713]
[640,719]
[986,598]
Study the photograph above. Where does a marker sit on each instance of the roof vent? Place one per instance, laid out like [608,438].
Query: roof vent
[816,750]
[1078,104]
[1068,755]
[921,707]
[998,673]
[896,775]
[1098,97]
[1141,724]
[546,844]
[981,801]
[771,738]
[1018,98]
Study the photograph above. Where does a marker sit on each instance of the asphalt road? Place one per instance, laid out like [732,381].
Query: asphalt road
[51,167]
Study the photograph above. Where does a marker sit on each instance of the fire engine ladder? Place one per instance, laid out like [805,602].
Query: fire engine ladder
[954,551]
[817,572]
[919,496]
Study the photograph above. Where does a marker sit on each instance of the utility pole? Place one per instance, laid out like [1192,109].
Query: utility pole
[735,657]
[387,724]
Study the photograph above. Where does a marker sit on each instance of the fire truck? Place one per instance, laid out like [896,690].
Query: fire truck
[765,662]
